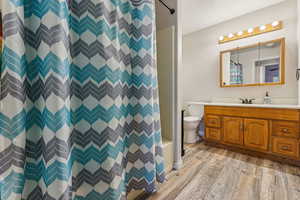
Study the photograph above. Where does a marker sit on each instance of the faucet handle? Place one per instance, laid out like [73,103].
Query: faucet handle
[243,100]
[250,101]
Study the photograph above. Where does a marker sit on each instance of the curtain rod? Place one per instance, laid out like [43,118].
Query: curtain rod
[172,10]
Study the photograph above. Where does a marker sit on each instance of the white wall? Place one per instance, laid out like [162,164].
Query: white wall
[201,57]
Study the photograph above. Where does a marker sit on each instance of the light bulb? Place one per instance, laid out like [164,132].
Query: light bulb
[221,38]
[250,30]
[240,33]
[263,27]
[230,35]
[275,23]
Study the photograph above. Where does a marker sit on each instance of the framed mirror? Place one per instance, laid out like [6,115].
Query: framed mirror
[259,64]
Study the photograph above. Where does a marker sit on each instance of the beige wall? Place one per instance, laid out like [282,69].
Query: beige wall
[165,68]
[164,19]
[201,56]
[298,7]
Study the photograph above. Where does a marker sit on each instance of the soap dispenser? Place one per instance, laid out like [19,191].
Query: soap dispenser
[267,99]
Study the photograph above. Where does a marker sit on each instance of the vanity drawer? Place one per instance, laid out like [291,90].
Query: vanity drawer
[285,129]
[285,146]
[213,121]
[213,134]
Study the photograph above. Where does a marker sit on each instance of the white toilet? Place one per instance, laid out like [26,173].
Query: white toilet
[190,129]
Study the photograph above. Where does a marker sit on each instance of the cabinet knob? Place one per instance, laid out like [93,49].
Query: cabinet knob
[285,148]
[285,130]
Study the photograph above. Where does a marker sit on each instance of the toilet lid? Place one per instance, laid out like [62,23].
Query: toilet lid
[191,119]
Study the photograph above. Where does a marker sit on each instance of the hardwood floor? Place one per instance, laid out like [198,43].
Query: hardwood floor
[216,174]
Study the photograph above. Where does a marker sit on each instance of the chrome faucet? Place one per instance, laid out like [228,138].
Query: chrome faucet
[247,101]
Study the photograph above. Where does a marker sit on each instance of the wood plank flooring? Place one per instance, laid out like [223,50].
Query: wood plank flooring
[217,174]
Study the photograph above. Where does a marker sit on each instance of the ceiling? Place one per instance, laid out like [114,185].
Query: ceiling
[199,14]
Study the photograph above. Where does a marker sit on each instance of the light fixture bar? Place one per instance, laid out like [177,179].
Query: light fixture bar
[274,26]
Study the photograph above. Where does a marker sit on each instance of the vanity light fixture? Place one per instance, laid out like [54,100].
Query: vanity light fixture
[240,33]
[252,31]
[275,23]
[230,35]
[263,27]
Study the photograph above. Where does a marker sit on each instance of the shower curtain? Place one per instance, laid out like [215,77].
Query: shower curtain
[79,100]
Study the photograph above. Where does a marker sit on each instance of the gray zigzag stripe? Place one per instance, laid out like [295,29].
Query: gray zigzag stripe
[97,48]
[54,147]
[12,25]
[139,155]
[13,86]
[53,85]
[157,125]
[140,2]
[37,194]
[96,10]
[158,150]
[44,88]
[131,29]
[12,156]
[99,92]
[92,136]
[33,91]
[49,36]
[140,185]
[85,176]
[91,50]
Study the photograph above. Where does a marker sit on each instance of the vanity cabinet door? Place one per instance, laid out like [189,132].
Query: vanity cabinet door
[256,134]
[233,130]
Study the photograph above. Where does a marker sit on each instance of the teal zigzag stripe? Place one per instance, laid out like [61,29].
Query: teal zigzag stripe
[13,61]
[11,128]
[109,194]
[47,119]
[97,28]
[57,170]
[106,73]
[107,115]
[140,14]
[42,67]
[41,8]
[96,154]
[13,183]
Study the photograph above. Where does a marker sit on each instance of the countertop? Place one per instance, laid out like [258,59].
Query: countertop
[287,106]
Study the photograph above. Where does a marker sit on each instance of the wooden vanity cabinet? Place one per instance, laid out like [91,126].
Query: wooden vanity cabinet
[213,134]
[256,134]
[233,130]
[269,132]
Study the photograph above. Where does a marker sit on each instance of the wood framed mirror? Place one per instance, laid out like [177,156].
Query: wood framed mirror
[254,65]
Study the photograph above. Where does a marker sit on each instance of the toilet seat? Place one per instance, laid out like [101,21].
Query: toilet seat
[191,119]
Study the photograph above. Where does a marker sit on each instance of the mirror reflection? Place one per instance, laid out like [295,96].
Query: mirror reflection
[259,64]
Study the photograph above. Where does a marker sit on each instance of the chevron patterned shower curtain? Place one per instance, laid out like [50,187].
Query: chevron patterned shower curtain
[79,113]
